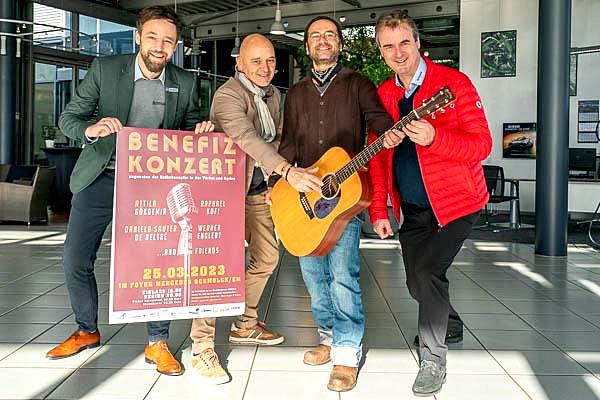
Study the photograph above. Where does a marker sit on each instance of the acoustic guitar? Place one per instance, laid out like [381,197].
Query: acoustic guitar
[310,224]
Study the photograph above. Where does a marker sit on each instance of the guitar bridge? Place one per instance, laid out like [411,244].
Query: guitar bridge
[306,205]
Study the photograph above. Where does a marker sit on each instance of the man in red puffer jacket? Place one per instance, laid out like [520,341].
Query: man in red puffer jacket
[432,171]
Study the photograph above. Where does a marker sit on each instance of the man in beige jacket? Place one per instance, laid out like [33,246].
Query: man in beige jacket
[247,108]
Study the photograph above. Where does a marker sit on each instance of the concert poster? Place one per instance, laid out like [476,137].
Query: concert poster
[178,226]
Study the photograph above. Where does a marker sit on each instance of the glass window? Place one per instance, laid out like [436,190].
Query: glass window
[99,37]
[82,73]
[51,27]
[52,92]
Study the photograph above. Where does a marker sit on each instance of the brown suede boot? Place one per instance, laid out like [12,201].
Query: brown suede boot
[318,355]
[342,378]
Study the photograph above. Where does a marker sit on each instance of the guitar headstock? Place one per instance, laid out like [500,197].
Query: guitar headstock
[437,102]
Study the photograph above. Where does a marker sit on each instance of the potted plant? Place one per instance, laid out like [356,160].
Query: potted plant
[48,134]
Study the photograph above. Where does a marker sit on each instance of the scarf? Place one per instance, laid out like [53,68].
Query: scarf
[266,121]
[322,78]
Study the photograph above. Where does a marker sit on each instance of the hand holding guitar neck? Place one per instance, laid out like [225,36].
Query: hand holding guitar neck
[304,180]
[420,131]
[393,138]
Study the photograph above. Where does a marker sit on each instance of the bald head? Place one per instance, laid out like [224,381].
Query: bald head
[257,59]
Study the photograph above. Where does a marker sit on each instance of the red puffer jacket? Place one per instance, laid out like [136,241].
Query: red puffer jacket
[451,165]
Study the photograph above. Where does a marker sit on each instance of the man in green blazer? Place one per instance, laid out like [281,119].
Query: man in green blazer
[141,90]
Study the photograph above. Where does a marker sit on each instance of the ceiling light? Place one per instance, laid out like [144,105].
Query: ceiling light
[235,52]
[277,27]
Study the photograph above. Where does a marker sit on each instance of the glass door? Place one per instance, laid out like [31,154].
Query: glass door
[52,91]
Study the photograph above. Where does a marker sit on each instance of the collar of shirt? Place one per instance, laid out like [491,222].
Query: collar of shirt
[417,79]
[140,75]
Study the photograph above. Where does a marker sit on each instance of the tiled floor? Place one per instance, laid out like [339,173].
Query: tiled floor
[533,330]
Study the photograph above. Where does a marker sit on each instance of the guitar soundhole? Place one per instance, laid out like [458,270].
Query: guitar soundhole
[330,187]
[324,207]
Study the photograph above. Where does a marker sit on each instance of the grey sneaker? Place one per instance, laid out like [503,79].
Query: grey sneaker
[430,379]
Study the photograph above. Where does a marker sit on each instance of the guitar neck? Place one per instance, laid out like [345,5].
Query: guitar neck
[362,158]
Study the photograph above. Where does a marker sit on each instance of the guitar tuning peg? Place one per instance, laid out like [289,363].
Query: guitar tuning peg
[432,115]
[442,110]
[452,105]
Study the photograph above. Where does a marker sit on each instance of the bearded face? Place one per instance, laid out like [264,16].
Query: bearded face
[157,41]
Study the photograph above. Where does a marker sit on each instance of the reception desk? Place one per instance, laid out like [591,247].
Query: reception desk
[583,194]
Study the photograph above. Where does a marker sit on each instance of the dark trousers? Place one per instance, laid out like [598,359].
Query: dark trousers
[428,251]
[91,212]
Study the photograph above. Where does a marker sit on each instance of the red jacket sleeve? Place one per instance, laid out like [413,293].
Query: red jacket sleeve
[378,172]
[472,140]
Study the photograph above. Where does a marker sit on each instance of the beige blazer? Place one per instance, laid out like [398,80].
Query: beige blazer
[233,111]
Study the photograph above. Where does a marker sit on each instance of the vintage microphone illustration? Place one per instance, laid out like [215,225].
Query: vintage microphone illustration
[181,206]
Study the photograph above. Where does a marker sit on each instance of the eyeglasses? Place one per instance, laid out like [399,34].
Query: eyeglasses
[328,36]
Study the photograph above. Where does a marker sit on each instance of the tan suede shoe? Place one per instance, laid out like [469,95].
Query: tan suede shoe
[342,378]
[78,341]
[159,354]
[206,368]
[318,355]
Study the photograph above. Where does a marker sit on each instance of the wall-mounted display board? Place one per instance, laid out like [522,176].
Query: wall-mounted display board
[587,121]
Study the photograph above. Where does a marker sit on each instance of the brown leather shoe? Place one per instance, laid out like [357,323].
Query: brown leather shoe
[159,354]
[258,334]
[318,355]
[78,341]
[342,378]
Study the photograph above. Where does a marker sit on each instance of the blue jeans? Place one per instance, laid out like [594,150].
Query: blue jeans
[91,212]
[333,284]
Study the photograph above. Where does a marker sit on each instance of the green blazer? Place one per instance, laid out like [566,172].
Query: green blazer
[108,89]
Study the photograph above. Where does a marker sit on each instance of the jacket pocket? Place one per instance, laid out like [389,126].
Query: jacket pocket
[470,183]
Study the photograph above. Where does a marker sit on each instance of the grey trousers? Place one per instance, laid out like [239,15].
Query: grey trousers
[428,252]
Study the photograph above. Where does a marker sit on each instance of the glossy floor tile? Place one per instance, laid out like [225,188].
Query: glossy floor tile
[532,331]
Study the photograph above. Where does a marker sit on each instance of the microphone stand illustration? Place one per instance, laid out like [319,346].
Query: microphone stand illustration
[181,206]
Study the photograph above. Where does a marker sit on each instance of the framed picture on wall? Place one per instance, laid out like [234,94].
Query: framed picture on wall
[573,75]
[499,54]
[519,140]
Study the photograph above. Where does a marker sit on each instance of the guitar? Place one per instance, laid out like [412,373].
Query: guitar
[310,224]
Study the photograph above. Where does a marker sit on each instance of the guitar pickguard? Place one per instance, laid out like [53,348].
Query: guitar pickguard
[324,207]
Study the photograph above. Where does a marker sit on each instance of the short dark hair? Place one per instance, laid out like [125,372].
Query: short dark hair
[392,20]
[326,18]
[157,12]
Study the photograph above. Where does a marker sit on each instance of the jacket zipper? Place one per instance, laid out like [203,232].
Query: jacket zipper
[440,226]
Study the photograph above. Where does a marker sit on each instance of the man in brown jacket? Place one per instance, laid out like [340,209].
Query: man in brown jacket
[247,108]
